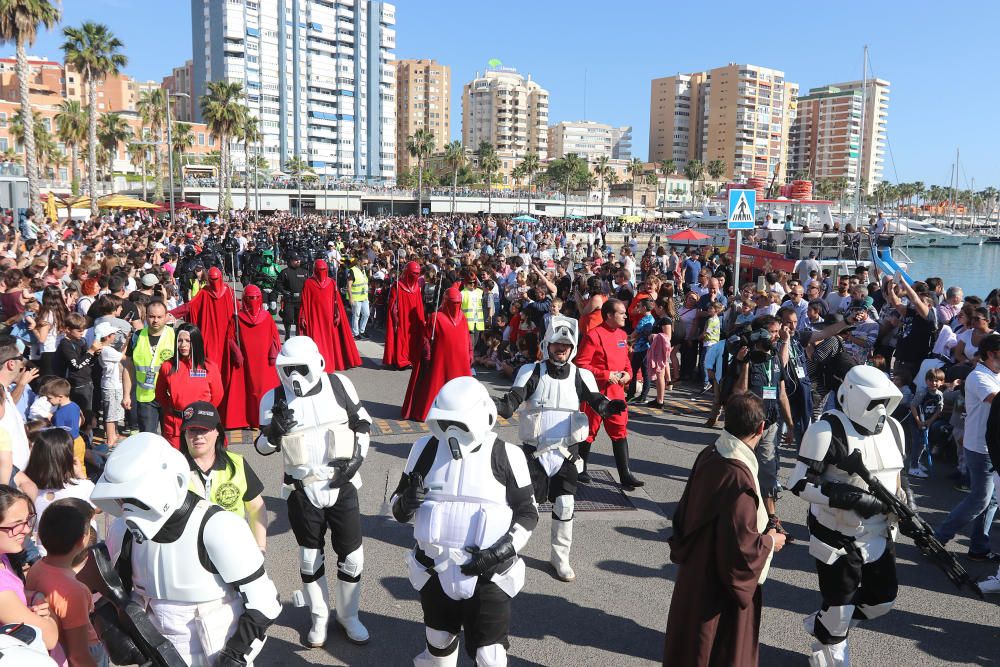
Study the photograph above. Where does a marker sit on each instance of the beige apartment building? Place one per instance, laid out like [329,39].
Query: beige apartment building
[423,101]
[181,80]
[508,110]
[826,139]
[740,114]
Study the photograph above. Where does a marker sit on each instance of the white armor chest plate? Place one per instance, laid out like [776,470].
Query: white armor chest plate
[551,416]
[172,571]
[316,416]
[881,455]
[465,506]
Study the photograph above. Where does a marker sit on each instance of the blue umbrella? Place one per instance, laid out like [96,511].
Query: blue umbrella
[525,218]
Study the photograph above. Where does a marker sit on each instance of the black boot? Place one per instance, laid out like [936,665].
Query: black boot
[628,480]
[584,477]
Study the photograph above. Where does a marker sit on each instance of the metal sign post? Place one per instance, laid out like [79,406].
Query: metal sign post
[742,215]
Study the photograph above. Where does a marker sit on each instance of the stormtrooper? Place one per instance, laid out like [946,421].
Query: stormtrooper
[470,496]
[22,646]
[196,567]
[851,536]
[552,426]
[316,420]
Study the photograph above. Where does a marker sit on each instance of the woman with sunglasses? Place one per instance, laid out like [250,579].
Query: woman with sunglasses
[187,378]
[17,520]
[967,348]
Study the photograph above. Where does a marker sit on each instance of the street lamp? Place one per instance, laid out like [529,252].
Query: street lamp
[170,150]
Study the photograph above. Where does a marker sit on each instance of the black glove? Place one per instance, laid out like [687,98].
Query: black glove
[486,561]
[613,407]
[282,422]
[847,497]
[410,500]
[502,410]
[346,468]
[228,659]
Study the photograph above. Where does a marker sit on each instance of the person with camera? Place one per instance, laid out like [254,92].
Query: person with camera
[757,368]
[289,285]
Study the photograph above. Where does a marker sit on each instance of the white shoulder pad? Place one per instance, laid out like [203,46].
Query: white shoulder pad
[266,403]
[589,381]
[415,451]
[816,441]
[116,533]
[523,374]
[898,435]
[231,547]
[352,395]
[518,465]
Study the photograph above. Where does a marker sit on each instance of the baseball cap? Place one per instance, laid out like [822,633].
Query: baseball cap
[103,330]
[149,280]
[201,415]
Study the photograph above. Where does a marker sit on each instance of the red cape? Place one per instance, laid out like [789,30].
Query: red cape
[450,358]
[404,327]
[320,304]
[259,343]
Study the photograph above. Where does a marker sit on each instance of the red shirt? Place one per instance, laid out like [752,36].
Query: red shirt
[604,351]
[179,390]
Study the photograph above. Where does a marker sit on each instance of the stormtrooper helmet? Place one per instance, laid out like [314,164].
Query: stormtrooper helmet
[300,365]
[22,646]
[868,397]
[144,481]
[561,330]
[462,415]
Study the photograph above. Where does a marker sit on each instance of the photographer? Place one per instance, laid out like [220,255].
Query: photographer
[758,369]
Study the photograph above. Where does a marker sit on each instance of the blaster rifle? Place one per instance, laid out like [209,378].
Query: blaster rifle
[911,525]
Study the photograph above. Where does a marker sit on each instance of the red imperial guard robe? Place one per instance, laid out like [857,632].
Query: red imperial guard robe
[404,327]
[323,319]
[450,356]
[259,344]
[723,560]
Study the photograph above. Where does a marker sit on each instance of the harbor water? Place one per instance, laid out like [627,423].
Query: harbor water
[975,268]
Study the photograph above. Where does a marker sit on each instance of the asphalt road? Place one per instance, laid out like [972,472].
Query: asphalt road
[616,610]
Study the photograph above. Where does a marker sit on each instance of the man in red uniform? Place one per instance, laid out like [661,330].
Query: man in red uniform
[447,354]
[322,318]
[406,319]
[212,311]
[259,344]
[604,352]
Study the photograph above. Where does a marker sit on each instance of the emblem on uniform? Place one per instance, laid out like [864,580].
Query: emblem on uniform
[227,495]
[188,412]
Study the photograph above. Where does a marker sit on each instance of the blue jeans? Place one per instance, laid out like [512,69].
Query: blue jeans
[149,416]
[359,317]
[978,506]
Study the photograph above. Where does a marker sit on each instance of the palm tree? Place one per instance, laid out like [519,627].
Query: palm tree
[601,168]
[420,144]
[635,169]
[224,114]
[71,128]
[297,167]
[182,139]
[716,169]
[112,130]
[249,133]
[39,136]
[152,108]
[693,170]
[19,23]
[93,51]
[455,158]
[530,164]
[139,155]
[568,172]
[490,164]
[666,168]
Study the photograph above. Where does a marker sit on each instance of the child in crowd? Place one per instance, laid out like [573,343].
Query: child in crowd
[65,532]
[925,409]
[711,335]
[658,364]
[66,414]
[523,356]
[555,308]
[639,339]
[714,367]
[746,314]
[115,400]
[75,361]
[487,351]
[380,296]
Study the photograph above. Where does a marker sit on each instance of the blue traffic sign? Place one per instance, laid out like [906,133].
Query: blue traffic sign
[742,207]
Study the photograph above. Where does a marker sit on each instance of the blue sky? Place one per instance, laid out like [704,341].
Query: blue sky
[941,58]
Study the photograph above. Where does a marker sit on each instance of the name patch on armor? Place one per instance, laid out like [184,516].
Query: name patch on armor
[621,343]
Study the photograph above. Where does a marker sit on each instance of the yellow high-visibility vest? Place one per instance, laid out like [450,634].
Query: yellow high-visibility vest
[472,308]
[359,285]
[147,362]
[226,488]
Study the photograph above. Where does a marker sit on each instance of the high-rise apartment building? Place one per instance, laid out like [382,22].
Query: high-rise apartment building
[508,110]
[181,81]
[589,140]
[318,73]
[423,101]
[739,114]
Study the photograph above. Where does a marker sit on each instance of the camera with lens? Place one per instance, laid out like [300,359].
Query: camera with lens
[757,341]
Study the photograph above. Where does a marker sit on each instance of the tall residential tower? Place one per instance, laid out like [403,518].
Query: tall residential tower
[318,73]
[508,110]
[739,114]
[423,101]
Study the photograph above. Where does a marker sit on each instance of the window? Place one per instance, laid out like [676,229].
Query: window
[201,138]
[3,119]
[4,145]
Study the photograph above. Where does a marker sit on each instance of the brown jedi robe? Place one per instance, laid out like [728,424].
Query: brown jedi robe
[714,617]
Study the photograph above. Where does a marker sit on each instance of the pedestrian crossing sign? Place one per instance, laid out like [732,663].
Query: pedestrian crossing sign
[742,205]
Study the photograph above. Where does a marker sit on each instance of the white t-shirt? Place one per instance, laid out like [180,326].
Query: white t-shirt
[13,423]
[966,337]
[111,373]
[78,488]
[981,383]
